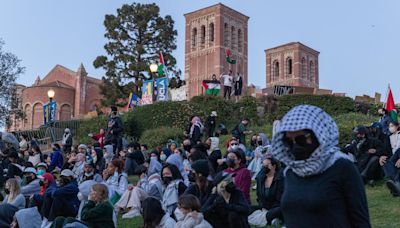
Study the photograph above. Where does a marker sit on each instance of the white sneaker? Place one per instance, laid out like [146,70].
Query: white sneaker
[48,225]
[131,214]
[44,223]
[276,222]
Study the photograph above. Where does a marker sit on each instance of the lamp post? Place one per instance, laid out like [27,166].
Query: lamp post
[51,94]
[153,70]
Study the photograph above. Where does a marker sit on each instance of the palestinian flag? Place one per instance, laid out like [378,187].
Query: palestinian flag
[390,107]
[212,87]
[161,66]
[228,57]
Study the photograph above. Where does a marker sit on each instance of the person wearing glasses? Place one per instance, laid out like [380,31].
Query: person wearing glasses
[323,188]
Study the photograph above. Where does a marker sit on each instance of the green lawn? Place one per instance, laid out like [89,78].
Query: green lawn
[384,209]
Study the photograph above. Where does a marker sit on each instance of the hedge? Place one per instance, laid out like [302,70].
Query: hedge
[160,136]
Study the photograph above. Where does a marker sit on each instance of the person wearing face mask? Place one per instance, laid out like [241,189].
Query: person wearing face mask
[98,159]
[322,186]
[13,194]
[214,153]
[269,193]
[394,135]
[114,131]
[240,131]
[367,151]
[236,165]
[210,124]
[173,187]
[227,206]
[384,120]
[116,179]
[35,156]
[177,160]
[31,182]
[47,184]
[256,164]
[202,187]
[134,159]
[67,140]
[56,157]
[41,168]
[90,173]
[189,210]
[149,185]
[63,201]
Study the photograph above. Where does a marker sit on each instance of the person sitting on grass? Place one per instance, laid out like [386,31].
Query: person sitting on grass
[97,212]
[155,216]
[149,185]
[189,209]
[115,179]
[173,187]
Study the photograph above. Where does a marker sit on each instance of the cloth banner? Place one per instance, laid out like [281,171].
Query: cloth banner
[49,112]
[147,92]
[162,89]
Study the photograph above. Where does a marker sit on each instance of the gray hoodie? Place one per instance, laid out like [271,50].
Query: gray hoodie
[29,218]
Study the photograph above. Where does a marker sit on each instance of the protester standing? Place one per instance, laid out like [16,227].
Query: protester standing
[114,131]
[227,81]
[238,86]
[210,124]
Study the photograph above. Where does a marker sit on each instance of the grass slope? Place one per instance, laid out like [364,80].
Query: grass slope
[384,209]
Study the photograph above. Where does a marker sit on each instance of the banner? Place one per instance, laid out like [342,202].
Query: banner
[147,92]
[49,112]
[162,89]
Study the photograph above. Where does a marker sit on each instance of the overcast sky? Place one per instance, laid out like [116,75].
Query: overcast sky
[358,40]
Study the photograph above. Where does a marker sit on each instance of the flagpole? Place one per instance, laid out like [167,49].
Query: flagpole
[387,94]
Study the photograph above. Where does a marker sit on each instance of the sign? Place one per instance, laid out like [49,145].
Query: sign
[178,94]
[147,92]
[162,89]
[283,90]
[49,112]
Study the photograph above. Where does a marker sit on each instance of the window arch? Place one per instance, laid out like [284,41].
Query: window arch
[303,68]
[233,38]
[226,35]
[203,35]
[275,71]
[312,71]
[289,67]
[194,36]
[211,32]
[239,40]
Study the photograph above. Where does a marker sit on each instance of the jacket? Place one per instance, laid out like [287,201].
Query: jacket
[68,192]
[242,180]
[31,188]
[57,159]
[273,199]
[193,220]
[18,202]
[7,212]
[98,216]
[114,125]
[170,196]
[210,122]
[167,222]
[360,150]
[29,218]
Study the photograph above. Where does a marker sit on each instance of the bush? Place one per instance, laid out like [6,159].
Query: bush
[160,136]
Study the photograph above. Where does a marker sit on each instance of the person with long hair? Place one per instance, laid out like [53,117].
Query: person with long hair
[189,207]
[35,156]
[115,179]
[173,187]
[154,215]
[13,194]
[202,187]
[97,212]
[322,185]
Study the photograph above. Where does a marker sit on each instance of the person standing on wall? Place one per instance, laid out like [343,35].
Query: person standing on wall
[227,81]
[238,85]
[114,131]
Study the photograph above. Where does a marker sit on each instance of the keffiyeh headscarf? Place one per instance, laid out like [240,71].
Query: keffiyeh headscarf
[325,129]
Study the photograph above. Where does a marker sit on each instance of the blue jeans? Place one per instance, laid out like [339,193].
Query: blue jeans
[391,171]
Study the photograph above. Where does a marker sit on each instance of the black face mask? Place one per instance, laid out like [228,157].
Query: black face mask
[167,180]
[253,143]
[28,179]
[303,152]
[267,169]
[230,163]
[259,143]
[192,177]
[381,114]
[64,181]
[7,191]
[230,187]
[187,147]
[30,153]
[41,183]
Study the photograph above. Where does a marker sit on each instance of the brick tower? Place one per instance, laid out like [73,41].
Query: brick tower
[209,33]
[292,64]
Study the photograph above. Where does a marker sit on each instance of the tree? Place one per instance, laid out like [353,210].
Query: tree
[10,69]
[135,36]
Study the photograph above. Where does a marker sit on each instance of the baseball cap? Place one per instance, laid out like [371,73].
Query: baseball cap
[30,170]
[214,113]
[42,164]
[67,173]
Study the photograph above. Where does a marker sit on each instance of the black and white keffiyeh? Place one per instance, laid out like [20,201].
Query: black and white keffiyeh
[325,129]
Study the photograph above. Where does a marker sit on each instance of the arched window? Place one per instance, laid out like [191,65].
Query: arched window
[233,38]
[289,67]
[312,72]
[211,32]
[203,35]
[194,36]
[303,68]
[239,35]
[226,35]
[275,71]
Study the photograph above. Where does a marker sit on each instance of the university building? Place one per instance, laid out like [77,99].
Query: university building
[76,94]
[209,33]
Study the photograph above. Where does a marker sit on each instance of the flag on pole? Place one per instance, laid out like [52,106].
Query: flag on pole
[133,101]
[161,66]
[390,107]
[229,57]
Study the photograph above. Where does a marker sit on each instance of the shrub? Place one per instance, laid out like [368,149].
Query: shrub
[160,136]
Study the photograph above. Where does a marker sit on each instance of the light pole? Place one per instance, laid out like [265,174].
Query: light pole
[51,94]
[153,70]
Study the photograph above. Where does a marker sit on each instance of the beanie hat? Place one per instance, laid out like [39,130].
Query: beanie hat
[114,108]
[201,167]
[48,176]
